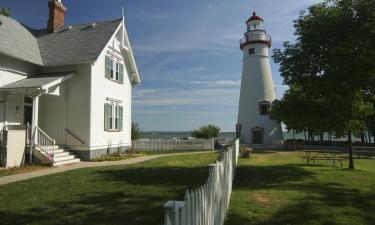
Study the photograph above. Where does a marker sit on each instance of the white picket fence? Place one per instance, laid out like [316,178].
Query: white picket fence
[173,145]
[207,205]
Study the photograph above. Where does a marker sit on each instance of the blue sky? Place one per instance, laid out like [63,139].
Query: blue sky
[187,52]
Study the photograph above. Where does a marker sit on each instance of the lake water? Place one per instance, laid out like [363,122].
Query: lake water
[222,135]
[170,135]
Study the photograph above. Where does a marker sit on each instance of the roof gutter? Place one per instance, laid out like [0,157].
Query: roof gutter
[13,71]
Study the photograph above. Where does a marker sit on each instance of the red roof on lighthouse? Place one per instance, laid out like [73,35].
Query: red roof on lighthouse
[254,17]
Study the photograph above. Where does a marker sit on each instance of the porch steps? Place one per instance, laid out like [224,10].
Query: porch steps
[64,157]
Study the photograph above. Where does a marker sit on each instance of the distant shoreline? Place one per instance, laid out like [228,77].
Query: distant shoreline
[222,135]
[179,134]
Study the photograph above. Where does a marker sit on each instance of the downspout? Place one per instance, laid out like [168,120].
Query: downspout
[6,94]
[2,147]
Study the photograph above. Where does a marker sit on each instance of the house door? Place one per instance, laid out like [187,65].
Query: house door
[257,136]
[28,111]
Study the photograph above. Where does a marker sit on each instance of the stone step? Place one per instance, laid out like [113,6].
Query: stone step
[63,158]
[61,154]
[56,147]
[67,162]
[60,150]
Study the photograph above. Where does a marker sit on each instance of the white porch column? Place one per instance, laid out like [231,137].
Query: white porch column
[35,117]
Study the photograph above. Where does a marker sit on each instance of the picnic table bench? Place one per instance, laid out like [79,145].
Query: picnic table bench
[322,155]
[367,152]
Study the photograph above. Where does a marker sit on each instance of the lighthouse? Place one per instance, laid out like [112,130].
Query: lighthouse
[254,125]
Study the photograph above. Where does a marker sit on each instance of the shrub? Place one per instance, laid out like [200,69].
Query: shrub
[208,131]
[136,132]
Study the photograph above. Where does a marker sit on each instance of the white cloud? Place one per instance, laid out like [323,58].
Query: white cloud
[215,83]
[179,97]
[193,69]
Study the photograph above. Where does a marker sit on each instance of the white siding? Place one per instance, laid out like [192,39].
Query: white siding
[77,99]
[14,110]
[103,88]
[12,70]
[52,117]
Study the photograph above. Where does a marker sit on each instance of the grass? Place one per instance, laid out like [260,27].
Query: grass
[275,188]
[22,169]
[132,194]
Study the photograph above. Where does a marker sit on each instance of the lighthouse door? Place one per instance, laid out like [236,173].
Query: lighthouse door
[257,136]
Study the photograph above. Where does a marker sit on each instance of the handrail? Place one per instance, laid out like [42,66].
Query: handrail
[44,133]
[73,135]
[44,142]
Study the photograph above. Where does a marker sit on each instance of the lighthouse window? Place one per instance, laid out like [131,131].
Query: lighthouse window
[251,51]
[264,108]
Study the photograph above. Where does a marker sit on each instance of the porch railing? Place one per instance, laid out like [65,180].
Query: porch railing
[45,143]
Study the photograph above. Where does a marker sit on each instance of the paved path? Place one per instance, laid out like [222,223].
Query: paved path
[25,176]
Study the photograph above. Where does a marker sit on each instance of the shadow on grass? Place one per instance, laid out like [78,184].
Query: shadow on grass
[128,196]
[262,152]
[254,177]
[105,208]
[325,202]
[186,178]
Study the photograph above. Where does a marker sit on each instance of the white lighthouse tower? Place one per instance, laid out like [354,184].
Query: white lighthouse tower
[254,125]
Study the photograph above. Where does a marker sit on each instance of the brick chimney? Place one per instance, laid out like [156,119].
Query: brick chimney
[56,15]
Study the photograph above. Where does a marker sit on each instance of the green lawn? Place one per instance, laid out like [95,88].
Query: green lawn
[128,195]
[275,188]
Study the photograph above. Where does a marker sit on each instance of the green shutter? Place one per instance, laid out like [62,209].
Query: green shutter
[120,116]
[121,73]
[107,116]
[108,63]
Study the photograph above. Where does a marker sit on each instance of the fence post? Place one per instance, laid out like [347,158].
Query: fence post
[208,204]
[188,209]
[173,212]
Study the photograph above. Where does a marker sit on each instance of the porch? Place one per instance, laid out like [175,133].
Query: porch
[38,104]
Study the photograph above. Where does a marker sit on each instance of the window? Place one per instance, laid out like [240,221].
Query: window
[114,70]
[264,108]
[251,51]
[113,117]
[108,67]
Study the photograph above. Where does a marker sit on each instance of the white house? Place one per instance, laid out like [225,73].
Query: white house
[72,84]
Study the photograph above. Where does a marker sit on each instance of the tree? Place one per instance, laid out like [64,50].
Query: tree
[332,65]
[208,131]
[5,12]
[137,132]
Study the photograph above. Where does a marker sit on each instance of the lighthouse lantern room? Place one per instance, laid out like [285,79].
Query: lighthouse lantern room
[254,126]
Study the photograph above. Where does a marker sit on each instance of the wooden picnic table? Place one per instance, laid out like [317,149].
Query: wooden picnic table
[322,155]
[364,151]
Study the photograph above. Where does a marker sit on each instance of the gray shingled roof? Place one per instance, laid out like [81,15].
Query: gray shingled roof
[36,81]
[16,41]
[80,44]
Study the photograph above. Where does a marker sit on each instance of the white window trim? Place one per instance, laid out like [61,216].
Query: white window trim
[116,61]
[115,107]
